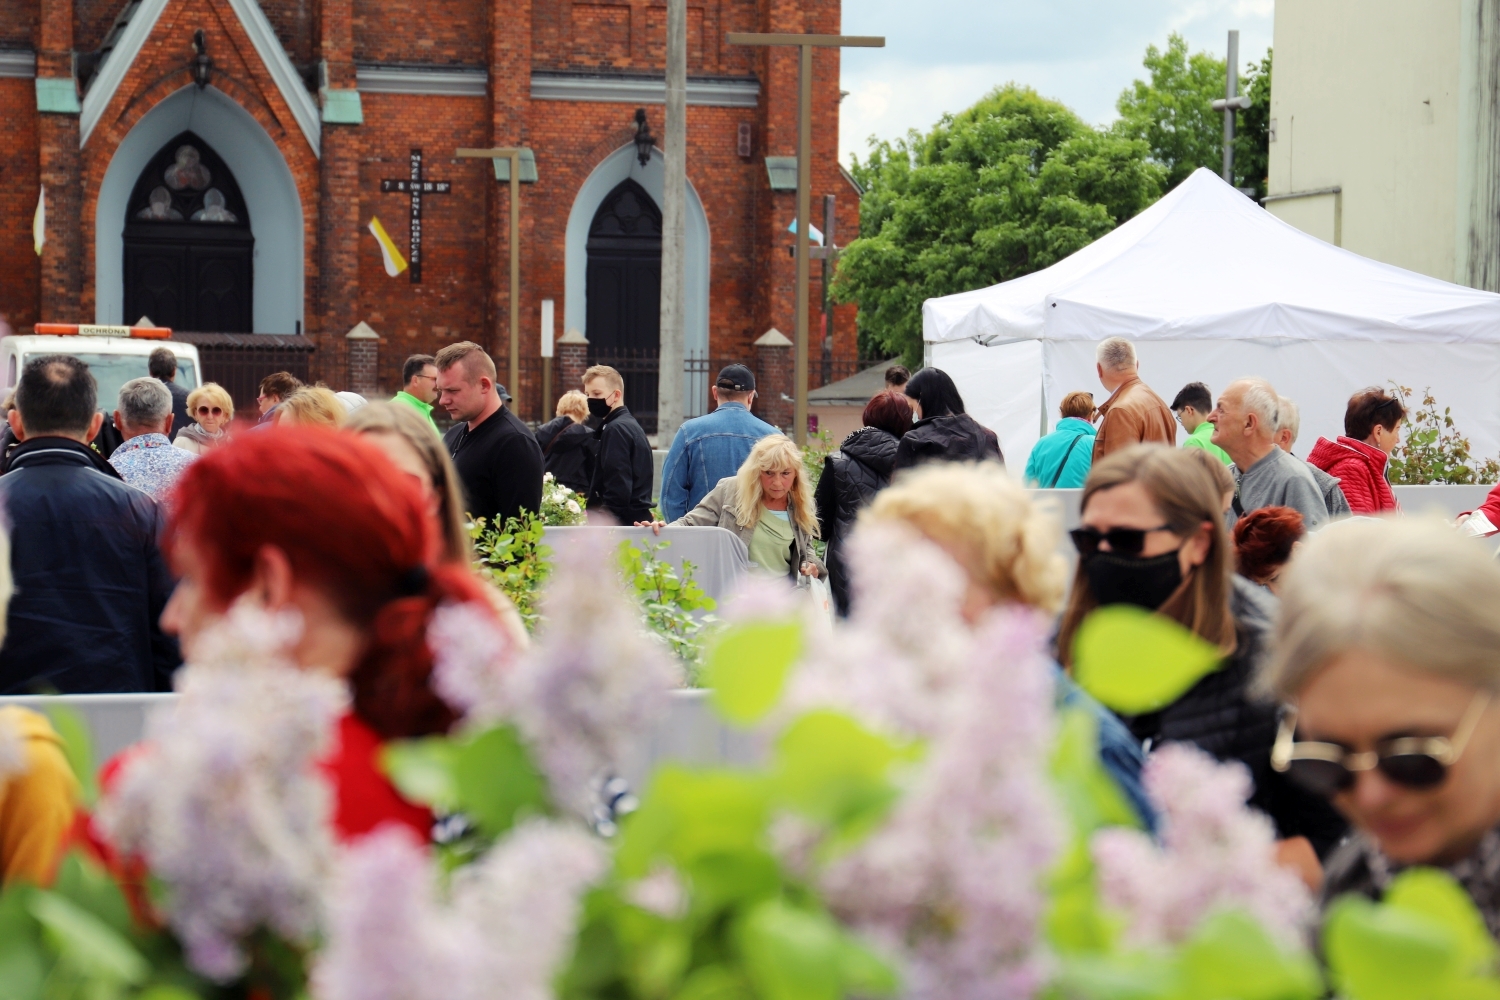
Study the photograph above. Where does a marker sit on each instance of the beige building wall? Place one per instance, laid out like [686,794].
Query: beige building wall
[1366,96]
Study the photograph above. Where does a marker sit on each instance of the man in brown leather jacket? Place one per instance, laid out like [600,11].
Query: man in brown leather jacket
[1133,413]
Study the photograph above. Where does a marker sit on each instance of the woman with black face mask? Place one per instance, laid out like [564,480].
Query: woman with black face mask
[1152,535]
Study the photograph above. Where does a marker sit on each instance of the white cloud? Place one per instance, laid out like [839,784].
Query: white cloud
[1081,52]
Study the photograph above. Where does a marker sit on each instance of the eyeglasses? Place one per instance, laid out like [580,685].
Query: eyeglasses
[1409,761]
[1124,541]
[204,411]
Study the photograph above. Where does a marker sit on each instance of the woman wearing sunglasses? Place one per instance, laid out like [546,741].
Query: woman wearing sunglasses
[211,409]
[1388,654]
[1152,535]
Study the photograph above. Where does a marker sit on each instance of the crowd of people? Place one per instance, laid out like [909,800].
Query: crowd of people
[1356,667]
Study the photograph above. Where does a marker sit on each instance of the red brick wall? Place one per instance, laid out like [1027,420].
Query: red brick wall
[18,190]
[453,32]
[18,23]
[91,22]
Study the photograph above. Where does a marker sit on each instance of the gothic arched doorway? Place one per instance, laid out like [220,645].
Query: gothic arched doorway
[624,294]
[189,252]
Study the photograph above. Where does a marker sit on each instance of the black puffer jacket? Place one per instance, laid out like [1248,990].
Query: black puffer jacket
[568,448]
[953,437]
[621,482]
[851,477]
[1224,717]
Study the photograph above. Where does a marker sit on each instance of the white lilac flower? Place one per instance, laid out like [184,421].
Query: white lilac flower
[662,892]
[1214,853]
[472,660]
[594,683]
[13,759]
[952,883]
[223,801]
[510,918]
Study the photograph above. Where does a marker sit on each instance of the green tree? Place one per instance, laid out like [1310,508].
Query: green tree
[1172,112]
[1252,129]
[1012,185]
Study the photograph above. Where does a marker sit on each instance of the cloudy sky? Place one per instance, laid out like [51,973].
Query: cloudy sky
[943,55]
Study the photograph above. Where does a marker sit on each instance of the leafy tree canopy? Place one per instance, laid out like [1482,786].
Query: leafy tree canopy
[1172,113]
[1012,185]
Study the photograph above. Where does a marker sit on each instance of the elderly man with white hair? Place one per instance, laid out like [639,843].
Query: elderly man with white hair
[1133,413]
[1245,422]
[147,460]
[1288,423]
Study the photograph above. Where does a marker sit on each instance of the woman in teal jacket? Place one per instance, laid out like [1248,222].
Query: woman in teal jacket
[1063,458]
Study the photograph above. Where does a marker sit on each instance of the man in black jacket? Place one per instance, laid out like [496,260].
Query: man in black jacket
[622,464]
[90,579]
[162,364]
[499,462]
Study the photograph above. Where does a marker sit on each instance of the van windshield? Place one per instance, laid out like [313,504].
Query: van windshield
[114,370]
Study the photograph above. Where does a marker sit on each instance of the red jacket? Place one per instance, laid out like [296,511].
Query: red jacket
[364,797]
[1360,469]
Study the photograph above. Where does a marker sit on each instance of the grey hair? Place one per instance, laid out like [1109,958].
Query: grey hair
[1288,417]
[1261,399]
[144,402]
[1115,354]
[1410,590]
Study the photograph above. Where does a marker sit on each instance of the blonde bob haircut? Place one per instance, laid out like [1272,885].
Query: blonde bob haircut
[1410,590]
[1187,496]
[987,522]
[774,453]
[213,394]
[403,422]
[312,406]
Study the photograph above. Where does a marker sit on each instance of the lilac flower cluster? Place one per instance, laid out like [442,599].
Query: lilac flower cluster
[223,801]
[594,682]
[952,883]
[13,759]
[1214,853]
[507,922]
[472,661]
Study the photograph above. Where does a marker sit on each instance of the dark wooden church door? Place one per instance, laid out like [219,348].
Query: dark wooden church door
[189,254]
[624,294]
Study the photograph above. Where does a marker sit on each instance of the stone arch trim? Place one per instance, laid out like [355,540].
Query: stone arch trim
[266,181]
[619,165]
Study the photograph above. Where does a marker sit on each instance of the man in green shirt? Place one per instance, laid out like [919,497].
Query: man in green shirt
[1192,406]
[419,374]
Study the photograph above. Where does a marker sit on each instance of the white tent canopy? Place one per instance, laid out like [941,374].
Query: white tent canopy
[1210,287]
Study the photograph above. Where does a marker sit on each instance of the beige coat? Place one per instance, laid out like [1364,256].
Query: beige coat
[718,510]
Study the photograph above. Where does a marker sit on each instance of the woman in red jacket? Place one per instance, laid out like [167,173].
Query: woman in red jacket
[1372,428]
[324,523]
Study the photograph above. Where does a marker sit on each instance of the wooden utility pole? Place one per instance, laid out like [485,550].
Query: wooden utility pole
[670,405]
[513,154]
[805,45]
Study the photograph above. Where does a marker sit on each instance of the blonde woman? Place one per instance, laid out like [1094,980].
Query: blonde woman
[1385,651]
[567,444]
[768,504]
[312,406]
[212,409]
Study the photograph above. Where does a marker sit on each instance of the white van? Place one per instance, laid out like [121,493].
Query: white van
[114,360]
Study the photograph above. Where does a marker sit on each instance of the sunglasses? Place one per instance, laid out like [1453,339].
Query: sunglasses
[1409,761]
[1122,541]
[204,411]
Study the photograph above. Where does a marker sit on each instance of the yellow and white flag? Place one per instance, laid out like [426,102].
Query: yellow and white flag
[39,223]
[394,262]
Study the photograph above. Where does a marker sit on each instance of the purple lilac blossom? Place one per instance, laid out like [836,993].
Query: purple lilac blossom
[472,661]
[1214,853]
[223,800]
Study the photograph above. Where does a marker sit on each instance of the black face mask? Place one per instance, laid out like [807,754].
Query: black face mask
[1145,582]
[598,408]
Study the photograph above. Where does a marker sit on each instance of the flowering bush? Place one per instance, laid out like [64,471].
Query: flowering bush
[1432,450]
[561,506]
[513,558]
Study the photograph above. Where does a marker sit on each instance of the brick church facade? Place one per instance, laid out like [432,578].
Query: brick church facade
[297,110]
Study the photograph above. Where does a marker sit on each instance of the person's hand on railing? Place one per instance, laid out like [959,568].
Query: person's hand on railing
[655,526]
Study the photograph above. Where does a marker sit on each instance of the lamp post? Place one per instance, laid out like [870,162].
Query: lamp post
[805,44]
[515,156]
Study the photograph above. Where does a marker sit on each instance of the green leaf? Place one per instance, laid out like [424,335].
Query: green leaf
[1076,923]
[1230,955]
[23,966]
[87,942]
[1377,952]
[163,991]
[496,780]
[714,982]
[77,747]
[1135,661]
[832,769]
[791,954]
[1128,976]
[1087,790]
[688,815]
[422,770]
[748,667]
[1437,895]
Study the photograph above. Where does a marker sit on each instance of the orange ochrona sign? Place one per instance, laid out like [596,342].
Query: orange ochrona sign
[92,330]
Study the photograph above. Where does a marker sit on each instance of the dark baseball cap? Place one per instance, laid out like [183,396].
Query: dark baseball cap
[500,390]
[736,378]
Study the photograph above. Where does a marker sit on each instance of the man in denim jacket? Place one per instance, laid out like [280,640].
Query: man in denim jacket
[712,447]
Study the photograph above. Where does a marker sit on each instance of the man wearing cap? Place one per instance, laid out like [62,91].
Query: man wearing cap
[714,446]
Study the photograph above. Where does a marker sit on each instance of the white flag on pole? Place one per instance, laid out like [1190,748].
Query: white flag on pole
[39,222]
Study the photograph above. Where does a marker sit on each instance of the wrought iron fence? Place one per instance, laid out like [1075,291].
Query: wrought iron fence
[238,361]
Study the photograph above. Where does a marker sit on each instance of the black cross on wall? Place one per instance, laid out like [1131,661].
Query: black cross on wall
[416,186]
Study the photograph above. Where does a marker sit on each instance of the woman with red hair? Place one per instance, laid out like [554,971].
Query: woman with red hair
[323,523]
[1263,544]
